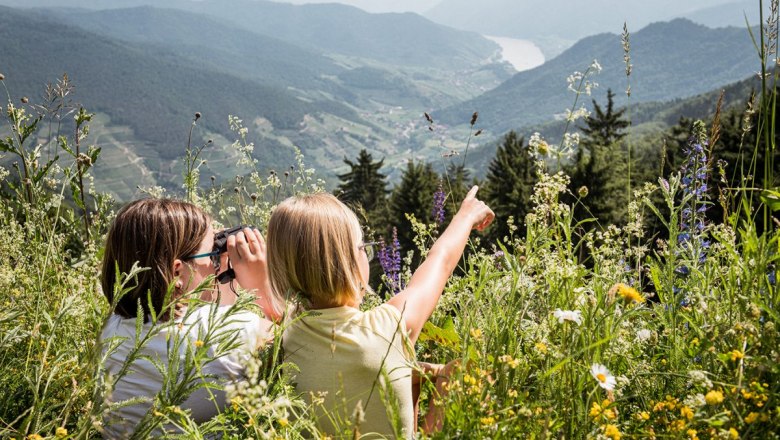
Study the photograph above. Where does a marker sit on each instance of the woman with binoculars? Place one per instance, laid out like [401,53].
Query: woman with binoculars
[174,242]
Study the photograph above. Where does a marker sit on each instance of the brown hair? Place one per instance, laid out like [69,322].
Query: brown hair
[312,250]
[153,233]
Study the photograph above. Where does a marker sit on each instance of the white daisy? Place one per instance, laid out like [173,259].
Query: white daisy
[605,379]
[568,315]
[644,335]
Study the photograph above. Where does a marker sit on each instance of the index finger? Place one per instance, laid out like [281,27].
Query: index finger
[472,192]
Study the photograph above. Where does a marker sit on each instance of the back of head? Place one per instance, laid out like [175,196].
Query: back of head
[153,233]
[312,250]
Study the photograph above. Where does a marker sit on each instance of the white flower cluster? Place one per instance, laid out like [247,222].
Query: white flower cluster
[252,394]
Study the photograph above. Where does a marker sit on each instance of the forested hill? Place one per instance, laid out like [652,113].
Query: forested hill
[406,39]
[670,60]
[210,41]
[153,91]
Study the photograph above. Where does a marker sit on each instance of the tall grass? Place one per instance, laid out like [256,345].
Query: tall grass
[671,338]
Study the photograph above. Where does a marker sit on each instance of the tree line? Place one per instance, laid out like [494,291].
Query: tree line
[600,171]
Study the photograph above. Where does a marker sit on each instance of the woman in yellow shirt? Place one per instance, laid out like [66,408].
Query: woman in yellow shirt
[356,367]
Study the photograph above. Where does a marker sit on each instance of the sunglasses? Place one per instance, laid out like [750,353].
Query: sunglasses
[213,255]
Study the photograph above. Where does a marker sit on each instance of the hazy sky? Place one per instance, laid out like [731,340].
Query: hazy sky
[418,6]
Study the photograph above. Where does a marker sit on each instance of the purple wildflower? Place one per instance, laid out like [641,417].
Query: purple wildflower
[438,205]
[390,260]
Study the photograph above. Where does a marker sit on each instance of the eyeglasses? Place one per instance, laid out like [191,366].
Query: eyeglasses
[369,248]
[214,255]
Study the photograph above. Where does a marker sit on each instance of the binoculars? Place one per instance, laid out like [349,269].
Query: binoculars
[220,244]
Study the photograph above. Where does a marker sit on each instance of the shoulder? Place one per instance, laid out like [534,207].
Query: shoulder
[385,318]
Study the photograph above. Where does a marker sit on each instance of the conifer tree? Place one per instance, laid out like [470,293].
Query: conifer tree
[413,195]
[363,188]
[601,165]
[509,185]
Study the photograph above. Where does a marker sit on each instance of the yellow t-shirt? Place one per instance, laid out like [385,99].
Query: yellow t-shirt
[343,355]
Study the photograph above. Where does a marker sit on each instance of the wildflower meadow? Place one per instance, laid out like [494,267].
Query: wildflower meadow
[662,326]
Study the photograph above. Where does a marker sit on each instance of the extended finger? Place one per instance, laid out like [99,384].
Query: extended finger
[472,192]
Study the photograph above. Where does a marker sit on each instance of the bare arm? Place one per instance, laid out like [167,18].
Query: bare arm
[418,300]
[248,256]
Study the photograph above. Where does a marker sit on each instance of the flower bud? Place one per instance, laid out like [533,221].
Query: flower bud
[583,191]
[543,148]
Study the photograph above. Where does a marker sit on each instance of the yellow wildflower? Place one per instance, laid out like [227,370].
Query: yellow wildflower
[612,431]
[512,393]
[595,410]
[736,355]
[509,360]
[733,434]
[283,422]
[644,415]
[61,432]
[713,397]
[692,434]
[627,292]
[487,421]
[34,437]
[686,412]
[752,417]
[542,347]
[199,343]
[476,333]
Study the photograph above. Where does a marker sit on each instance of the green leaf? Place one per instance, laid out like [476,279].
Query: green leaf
[771,198]
[445,335]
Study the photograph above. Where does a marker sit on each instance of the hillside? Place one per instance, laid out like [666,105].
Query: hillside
[565,19]
[404,39]
[649,119]
[149,96]
[209,41]
[670,60]
[729,14]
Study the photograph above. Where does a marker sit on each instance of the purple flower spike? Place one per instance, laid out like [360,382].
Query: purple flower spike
[390,260]
[438,205]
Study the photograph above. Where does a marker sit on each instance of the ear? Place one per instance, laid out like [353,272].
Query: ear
[178,266]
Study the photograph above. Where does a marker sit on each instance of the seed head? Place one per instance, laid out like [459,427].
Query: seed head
[213,178]
[253,196]
[24,100]
[428,118]
[474,118]
[2,77]
[197,115]
[583,191]
[83,159]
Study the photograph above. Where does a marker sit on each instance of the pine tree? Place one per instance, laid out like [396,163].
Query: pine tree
[413,195]
[363,188]
[601,165]
[509,185]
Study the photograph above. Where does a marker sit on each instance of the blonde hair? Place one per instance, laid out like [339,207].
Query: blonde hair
[312,251]
[153,233]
